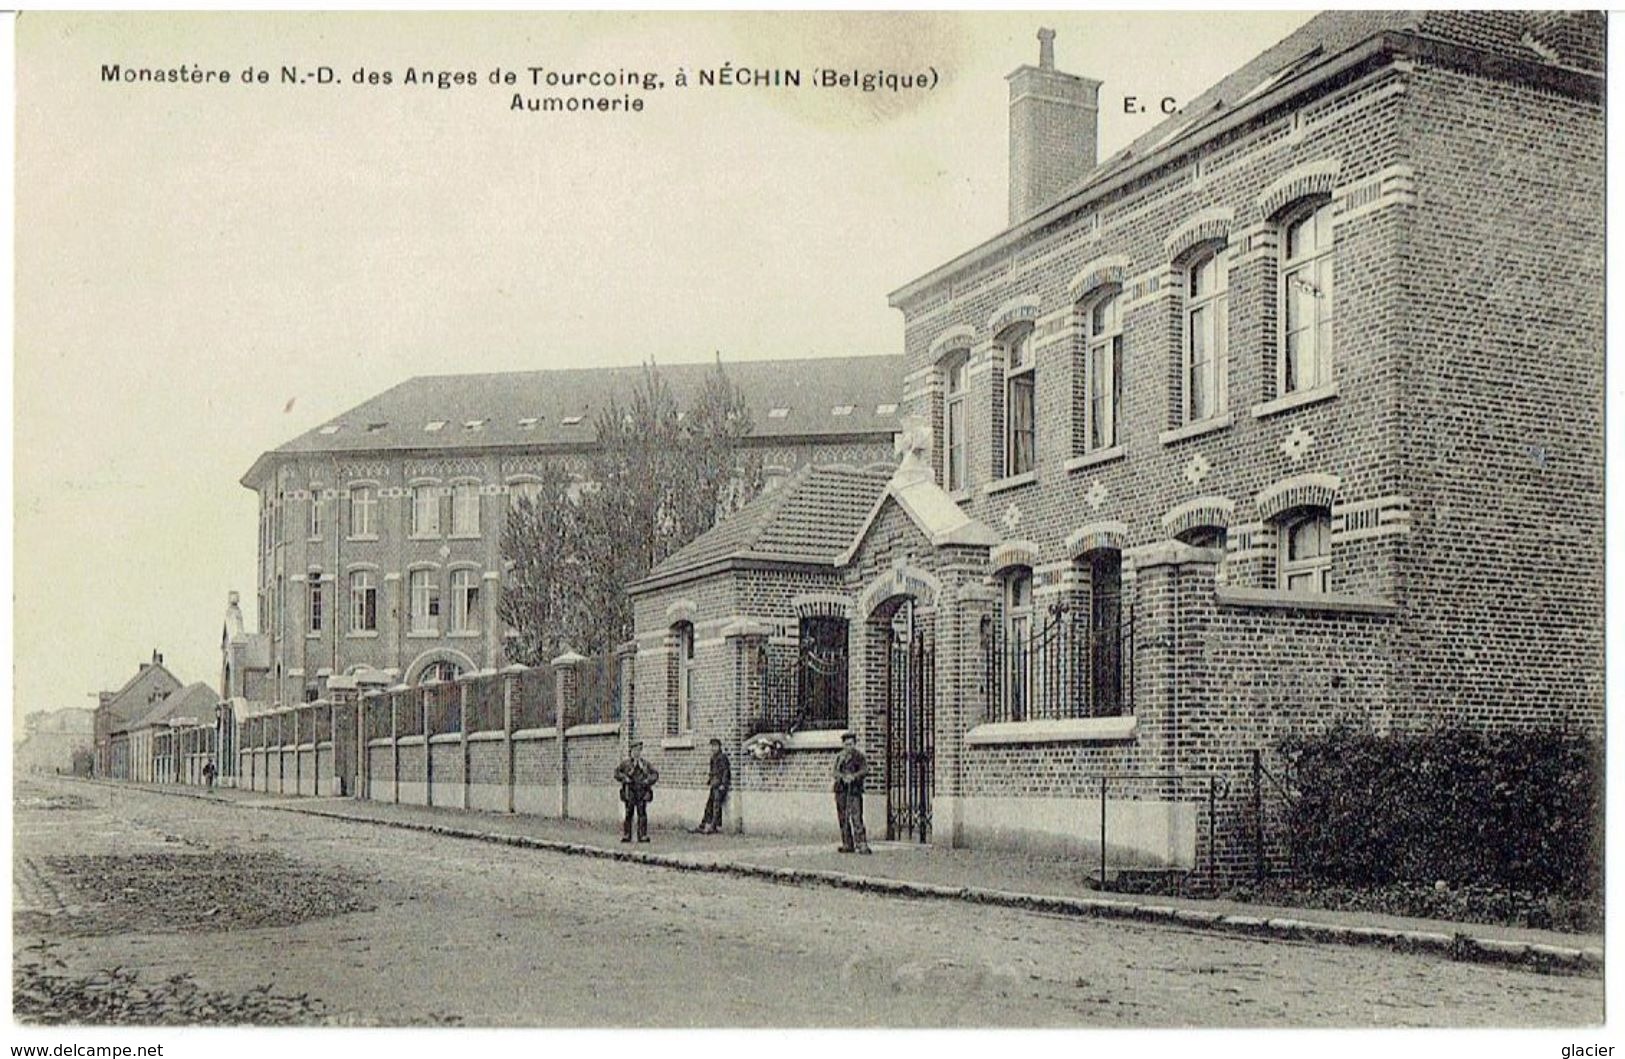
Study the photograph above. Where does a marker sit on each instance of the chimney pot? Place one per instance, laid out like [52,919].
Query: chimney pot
[1054,129]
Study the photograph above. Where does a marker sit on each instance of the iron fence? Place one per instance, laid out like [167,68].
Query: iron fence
[484,697]
[598,697]
[1071,667]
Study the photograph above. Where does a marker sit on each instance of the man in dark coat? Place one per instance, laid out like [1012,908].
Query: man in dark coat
[637,779]
[850,769]
[720,779]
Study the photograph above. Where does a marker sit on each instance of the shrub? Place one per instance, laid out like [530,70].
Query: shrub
[1516,810]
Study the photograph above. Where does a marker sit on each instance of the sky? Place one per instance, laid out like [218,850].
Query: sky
[204,271]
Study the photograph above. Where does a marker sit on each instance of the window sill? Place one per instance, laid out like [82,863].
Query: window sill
[465,634]
[313,540]
[317,635]
[362,538]
[1076,730]
[464,536]
[423,634]
[1196,429]
[960,496]
[677,742]
[1280,599]
[1295,400]
[423,536]
[1097,457]
[362,634]
[599,728]
[829,739]
[1012,482]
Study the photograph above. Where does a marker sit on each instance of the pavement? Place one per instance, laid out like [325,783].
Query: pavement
[996,878]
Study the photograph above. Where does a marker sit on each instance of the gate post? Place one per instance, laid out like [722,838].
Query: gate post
[566,688]
[748,653]
[962,699]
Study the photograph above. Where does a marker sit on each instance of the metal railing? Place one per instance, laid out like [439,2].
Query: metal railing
[1166,786]
[805,691]
[1072,667]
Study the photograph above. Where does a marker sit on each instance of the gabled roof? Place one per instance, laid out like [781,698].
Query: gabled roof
[822,397]
[130,701]
[1303,58]
[811,518]
[819,516]
[196,701]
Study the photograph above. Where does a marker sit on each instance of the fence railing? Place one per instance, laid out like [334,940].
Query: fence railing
[1203,790]
[804,691]
[1072,666]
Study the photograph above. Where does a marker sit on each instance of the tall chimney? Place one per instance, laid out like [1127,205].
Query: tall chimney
[1054,131]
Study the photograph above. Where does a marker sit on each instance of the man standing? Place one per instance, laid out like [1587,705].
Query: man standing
[721,778]
[637,779]
[850,769]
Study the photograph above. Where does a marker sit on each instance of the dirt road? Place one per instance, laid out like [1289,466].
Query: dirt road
[338,923]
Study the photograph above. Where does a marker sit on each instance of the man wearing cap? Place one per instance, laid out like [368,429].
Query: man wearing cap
[850,769]
[721,778]
[637,779]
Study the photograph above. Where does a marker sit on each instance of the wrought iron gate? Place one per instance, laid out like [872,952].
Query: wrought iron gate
[911,709]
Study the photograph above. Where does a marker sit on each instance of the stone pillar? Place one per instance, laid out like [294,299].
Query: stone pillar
[395,694]
[463,686]
[964,628]
[345,733]
[1174,603]
[491,584]
[567,688]
[429,691]
[747,650]
[373,684]
[510,692]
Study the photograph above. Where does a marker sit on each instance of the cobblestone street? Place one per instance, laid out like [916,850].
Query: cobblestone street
[376,926]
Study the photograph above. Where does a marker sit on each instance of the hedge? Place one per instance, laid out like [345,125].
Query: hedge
[1520,810]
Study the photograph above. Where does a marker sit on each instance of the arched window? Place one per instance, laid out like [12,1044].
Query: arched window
[953,421]
[1306,550]
[444,672]
[524,492]
[1017,654]
[1103,372]
[1203,537]
[1020,411]
[1206,341]
[1306,297]
[1104,642]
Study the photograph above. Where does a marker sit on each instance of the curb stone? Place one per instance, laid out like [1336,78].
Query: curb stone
[1535,956]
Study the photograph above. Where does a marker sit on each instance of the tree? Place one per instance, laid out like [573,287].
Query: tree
[538,542]
[663,475]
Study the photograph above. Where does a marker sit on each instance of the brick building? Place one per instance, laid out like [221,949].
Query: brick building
[1291,411]
[117,710]
[380,531]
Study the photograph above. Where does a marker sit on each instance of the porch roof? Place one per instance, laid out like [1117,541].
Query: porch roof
[812,518]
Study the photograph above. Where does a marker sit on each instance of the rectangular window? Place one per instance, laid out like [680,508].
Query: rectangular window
[465,601]
[363,509]
[315,516]
[425,601]
[1306,302]
[313,609]
[465,509]
[363,602]
[1306,553]
[680,715]
[425,511]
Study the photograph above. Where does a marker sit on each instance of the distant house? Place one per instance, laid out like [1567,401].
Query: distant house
[155,756]
[117,709]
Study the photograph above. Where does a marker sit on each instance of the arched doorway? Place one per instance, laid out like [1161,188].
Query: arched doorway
[905,637]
